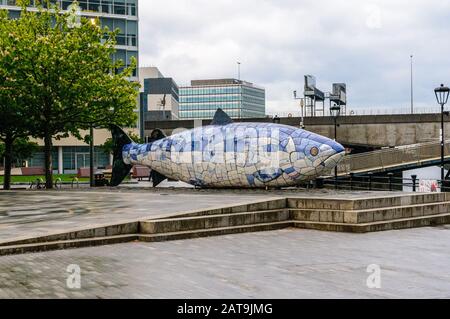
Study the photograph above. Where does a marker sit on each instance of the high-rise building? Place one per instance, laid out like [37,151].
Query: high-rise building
[71,154]
[115,14]
[239,99]
[159,97]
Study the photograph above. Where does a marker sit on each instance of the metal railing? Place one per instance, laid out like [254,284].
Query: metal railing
[366,111]
[390,182]
[383,160]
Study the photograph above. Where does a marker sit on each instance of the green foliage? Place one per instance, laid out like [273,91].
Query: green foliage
[23,149]
[108,147]
[72,80]
[57,77]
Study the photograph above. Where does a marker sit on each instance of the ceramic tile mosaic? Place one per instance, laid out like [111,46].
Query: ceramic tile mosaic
[244,155]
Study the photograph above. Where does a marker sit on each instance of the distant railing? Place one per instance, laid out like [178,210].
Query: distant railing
[386,159]
[366,111]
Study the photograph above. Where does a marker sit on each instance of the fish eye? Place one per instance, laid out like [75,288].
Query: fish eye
[314,151]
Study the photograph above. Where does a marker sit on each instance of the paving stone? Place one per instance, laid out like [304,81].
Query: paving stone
[290,263]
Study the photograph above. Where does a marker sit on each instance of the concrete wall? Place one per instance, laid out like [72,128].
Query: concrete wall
[373,131]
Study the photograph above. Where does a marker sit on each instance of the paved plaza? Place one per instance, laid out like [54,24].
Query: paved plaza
[33,213]
[289,263]
[25,214]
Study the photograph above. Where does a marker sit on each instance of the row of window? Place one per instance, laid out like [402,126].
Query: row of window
[73,158]
[209,106]
[189,115]
[210,98]
[210,90]
[253,92]
[119,7]
[206,114]
[214,107]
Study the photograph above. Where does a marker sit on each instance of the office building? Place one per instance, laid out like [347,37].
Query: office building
[239,99]
[71,154]
[159,97]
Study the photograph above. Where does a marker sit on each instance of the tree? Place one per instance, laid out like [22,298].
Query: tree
[69,79]
[23,149]
[108,147]
[15,120]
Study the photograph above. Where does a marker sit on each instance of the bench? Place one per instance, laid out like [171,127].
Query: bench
[84,173]
[141,172]
[32,171]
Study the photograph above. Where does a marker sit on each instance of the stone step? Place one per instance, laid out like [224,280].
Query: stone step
[213,221]
[214,232]
[370,215]
[66,244]
[269,204]
[130,228]
[367,203]
[159,237]
[414,222]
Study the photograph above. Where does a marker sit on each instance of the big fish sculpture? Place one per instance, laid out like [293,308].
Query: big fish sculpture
[230,155]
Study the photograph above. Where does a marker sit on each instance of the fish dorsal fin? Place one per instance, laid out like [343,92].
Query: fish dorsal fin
[221,118]
[156,136]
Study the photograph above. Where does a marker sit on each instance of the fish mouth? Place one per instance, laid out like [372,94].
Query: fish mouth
[333,160]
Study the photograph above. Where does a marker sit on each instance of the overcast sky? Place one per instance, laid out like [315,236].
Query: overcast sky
[366,44]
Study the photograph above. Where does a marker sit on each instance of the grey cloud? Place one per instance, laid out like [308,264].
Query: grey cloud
[364,43]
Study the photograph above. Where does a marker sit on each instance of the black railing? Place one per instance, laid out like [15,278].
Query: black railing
[372,182]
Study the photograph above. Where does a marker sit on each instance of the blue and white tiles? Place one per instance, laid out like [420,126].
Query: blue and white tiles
[243,155]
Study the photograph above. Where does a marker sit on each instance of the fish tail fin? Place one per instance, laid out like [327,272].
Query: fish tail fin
[156,177]
[120,168]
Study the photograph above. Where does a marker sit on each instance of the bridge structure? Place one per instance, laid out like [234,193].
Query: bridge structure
[367,132]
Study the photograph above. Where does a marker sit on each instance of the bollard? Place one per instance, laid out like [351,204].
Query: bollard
[414,180]
[370,181]
[319,183]
[391,177]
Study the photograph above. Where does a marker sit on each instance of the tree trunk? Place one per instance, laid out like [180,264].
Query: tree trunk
[48,161]
[8,163]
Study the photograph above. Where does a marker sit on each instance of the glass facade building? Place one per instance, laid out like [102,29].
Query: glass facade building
[115,14]
[239,99]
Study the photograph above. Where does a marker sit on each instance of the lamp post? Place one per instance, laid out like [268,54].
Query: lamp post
[91,156]
[442,94]
[335,113]
[302,104]
[412,85]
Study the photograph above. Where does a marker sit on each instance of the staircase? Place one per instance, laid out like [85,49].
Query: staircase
[372,214]
[361,215]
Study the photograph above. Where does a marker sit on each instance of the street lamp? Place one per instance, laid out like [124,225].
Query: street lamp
[335,113]
[442,94]
[302,104]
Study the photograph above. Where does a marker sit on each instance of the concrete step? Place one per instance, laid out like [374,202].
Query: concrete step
[130,228]
[213,221]
[66,244]
[367,203]
[370,215]
[214,232]
[414,222]
[270,204]
[158,237]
